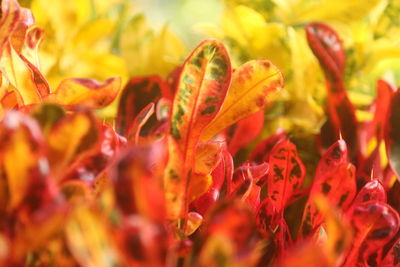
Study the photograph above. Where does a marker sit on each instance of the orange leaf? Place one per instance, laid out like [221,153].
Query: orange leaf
[202,87]
[86,92]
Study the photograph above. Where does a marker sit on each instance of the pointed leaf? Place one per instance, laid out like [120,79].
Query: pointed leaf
[202,88]
[136,125]
[254,86]
[335,179]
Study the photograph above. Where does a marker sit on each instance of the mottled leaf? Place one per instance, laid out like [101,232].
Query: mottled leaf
[207,157]
[335,179]
[375,223]
[263,149]
[254,86]
[202,87]
[286,175]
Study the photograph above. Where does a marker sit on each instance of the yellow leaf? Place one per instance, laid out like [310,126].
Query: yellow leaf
[198,185]
[194,221]
[335,10]
[65,139]
[207,157]
[254,85]
[242,23]
[18,170]
[89,241]
[149,52]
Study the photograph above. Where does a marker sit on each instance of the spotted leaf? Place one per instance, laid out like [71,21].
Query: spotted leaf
[202,87]
[286,175]
[255,85]
[375,223]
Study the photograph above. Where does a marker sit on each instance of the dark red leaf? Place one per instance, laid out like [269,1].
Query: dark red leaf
[138,93]
[327,47]
[392,134]
[375,223]
[263,149]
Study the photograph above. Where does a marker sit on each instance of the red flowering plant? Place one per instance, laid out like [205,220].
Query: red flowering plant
[163,185]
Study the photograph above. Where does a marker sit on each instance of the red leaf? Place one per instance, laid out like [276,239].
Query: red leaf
[143,242]
[286,175]
[375,224]
[136,125]
[380,108]
[326,46]
[263,149]
[221,174]
[332,158]
[246,131]
[392,258]
[136,176]
[240,232]
[138,93]
[372,191]
[335,179]
[245,177]
[392,134]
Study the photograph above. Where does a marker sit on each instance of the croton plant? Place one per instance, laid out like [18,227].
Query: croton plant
[162,185]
